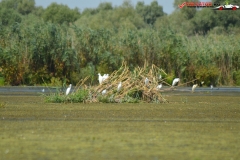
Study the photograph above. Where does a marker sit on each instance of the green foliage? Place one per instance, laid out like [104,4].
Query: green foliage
[208,74]
[128,99]
[55,98]
[236,77]
[9,16]
[77,97]
[59,13]
[55,82]
[23,7]
[117,18]
[41,50]
[188,13]
[105,99]
[1,81]
[134,94]
[38,11]
[105,6]
[68,46]
[204,21]
[151,12]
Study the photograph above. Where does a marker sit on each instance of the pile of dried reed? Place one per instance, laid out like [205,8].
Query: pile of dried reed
[133,85]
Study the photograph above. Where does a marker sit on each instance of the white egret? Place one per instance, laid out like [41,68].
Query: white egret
[201,84]
[194,87]
[100,78]
[68,89]
[105,76]
[119,86]
[159,86]
[175,81]
[146,81]
[104,91]
[160,77]
[211,86]
[43,90]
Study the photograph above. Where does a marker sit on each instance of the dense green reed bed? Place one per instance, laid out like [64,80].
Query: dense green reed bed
[192,127]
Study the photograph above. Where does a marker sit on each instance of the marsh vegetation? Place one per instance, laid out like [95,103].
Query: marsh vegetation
[40,45]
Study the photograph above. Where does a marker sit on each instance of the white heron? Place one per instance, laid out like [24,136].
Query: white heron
[146,81]
[43,90]
[211,86]
[105,76]
[119,86]
[160,77]
[100,78]
[104,92]
[201,84]
[194,87]
[175,81]
[159,86]
[68,89]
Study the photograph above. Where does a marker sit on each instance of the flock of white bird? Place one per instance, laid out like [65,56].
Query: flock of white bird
[146,81]
[102,78]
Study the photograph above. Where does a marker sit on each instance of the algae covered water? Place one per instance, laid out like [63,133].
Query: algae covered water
[190,126]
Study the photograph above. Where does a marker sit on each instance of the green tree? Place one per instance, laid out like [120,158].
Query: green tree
[38,11]
[26,6]
[22,6]
[204,21]
[105,6]
[9,16]
[151,12]
[123,16]
[59,13]
[187,11]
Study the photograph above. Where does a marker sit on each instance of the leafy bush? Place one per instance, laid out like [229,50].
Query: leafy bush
[77,97]
[1,81]
[208,74]
[236,77]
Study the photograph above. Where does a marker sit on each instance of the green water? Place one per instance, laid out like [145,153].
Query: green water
[189,127]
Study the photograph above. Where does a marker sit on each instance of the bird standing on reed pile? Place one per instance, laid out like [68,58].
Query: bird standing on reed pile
[100,78]
[119,86]
[159,86]
[68,89]
[160,77]
[104,92]
[194,87]
[105,76]
[146,81]
[175,81]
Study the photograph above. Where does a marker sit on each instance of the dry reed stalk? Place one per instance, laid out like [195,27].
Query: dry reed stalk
[81,83]
[132,84]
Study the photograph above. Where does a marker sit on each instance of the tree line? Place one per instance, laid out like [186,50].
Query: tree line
[58,43]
